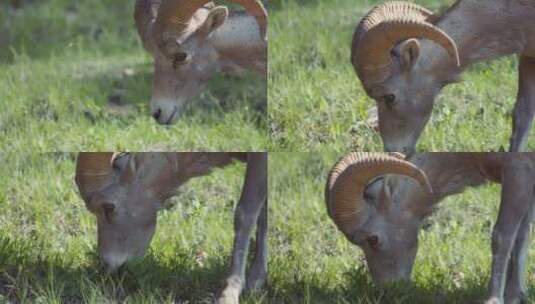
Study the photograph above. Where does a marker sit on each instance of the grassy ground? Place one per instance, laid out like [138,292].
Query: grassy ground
[311,261]
[48,239]
[48,242]
[73,76]
[316,100]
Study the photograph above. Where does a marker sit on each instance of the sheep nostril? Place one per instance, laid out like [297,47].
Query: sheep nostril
[157,114]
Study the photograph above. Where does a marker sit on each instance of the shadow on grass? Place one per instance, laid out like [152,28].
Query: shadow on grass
[408,292]
[39,29]
[125,91]
[26,274]
[360,289]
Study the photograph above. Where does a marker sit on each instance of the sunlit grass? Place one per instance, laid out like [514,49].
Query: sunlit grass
[74,76]
[312,262]
[316,101]
[48,239]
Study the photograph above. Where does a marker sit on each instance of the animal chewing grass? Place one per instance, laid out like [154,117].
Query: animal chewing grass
[48,249]
[83,82]
[316,102]
[312,262]
[48,246]
[75,77]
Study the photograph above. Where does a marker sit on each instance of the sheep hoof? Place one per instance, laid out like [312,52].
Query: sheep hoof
[494,300]
[231,293]
[231,299]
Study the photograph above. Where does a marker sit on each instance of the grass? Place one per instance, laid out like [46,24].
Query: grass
[48,239]
[74,76]
[48,242]
[312,262]
[317,103]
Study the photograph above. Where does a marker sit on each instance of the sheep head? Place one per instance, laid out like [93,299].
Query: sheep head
[124,192]
[372,210]
[177,34]
[396,70]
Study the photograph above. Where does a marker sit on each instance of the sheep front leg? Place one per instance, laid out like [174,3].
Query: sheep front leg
[517,194]
[525,105]
[253,196]
[515,290]
[258,272]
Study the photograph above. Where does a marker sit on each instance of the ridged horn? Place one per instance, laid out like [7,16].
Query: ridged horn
[383,28]
[177,14]
[93,171]
[349,178]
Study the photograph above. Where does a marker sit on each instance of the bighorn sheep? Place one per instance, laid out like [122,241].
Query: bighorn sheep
[382,214]
[124,192]
[190,40]
[404,55]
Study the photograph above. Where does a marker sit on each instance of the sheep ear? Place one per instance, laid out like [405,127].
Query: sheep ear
[216,17]
[410,51]
[120,160]
[385,197]
[126,165]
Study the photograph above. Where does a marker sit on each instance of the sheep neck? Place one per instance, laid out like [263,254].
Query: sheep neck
[483,30]
[449,174]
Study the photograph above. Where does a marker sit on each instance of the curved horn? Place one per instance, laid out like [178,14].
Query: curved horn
[421,11]
[93,171]
[383,28]
[349,178]
[176,14]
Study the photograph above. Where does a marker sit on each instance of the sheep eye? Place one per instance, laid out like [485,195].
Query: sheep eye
[179,59]
[109,209]
[373,241]
[389,99]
